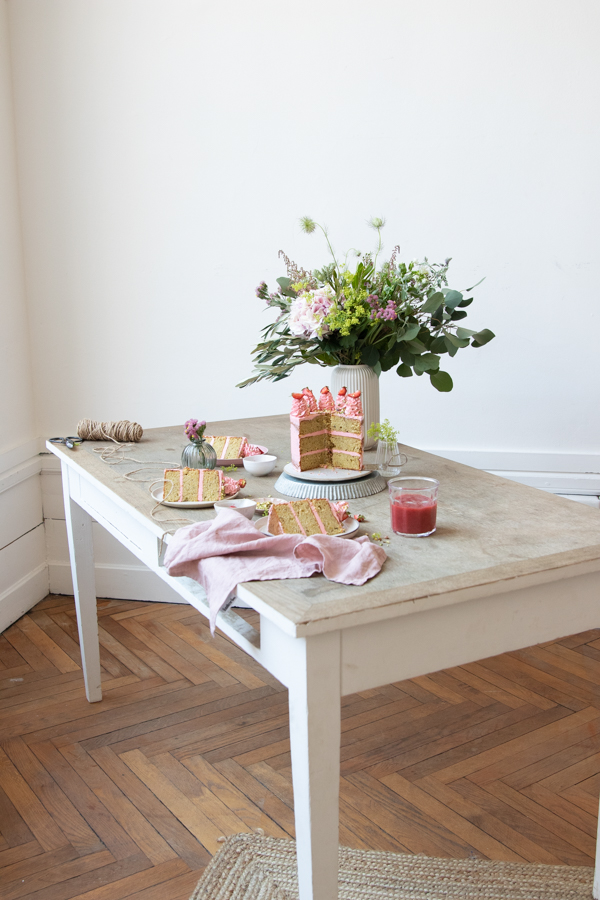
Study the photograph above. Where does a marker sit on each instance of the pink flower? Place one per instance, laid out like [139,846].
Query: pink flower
[308,310]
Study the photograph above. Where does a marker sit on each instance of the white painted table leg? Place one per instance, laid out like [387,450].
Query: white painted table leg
[596,888]
[315,728]
[81,554]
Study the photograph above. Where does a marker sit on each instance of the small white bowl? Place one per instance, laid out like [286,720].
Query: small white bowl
[260,465]
[245,507]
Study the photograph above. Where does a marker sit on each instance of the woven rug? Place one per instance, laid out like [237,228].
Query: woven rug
[253,867]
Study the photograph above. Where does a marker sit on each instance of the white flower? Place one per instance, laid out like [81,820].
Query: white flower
[308,310]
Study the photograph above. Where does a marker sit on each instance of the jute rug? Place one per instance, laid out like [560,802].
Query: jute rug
[253,867]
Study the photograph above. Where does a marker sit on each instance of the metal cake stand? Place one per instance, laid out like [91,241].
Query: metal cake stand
[371,484]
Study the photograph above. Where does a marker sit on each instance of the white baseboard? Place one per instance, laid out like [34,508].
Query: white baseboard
[23,595]
[116,582]
[23,575]
[523,461]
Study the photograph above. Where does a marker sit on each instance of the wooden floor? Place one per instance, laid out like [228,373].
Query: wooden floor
[129,798]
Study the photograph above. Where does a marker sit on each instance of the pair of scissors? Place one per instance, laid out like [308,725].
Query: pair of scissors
[71,442]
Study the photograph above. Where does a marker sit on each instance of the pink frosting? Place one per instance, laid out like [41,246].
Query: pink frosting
[354,407]
[326,400]
[252,450]
[342,397]
[310,397]
[299,407]
[340,510]
[232,485]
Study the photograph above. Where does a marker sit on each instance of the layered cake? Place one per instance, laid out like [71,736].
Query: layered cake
[229,447]
[328,433]
[307,517]
[192,485]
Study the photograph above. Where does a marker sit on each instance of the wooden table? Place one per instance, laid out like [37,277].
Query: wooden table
[509,566]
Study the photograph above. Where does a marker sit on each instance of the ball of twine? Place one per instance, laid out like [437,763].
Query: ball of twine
[122,432]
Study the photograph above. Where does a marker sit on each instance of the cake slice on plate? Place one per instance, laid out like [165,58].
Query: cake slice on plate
[307,517]
[198,485]
[232,447]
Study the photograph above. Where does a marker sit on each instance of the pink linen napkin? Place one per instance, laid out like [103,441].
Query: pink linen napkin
[228,550]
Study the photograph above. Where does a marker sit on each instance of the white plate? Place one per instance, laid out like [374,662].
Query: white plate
[239,461]
[325,474]
[350,526]
[157,494]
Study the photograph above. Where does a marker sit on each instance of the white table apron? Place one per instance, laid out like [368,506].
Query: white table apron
[348,654]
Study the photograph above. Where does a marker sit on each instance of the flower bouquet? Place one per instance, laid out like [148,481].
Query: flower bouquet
[398,315]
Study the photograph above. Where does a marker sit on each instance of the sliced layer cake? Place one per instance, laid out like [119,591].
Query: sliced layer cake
[193,485]
[327,434]
[307,517]
[230,447]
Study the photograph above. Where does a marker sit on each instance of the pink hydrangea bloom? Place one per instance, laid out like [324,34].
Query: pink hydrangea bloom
[308,310]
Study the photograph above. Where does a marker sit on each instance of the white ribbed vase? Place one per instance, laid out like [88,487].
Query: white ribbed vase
[363,379]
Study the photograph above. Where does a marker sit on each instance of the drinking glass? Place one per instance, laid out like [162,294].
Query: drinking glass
[389,459]
[413,505]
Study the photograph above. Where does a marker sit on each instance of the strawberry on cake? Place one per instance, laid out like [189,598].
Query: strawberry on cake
[328,434]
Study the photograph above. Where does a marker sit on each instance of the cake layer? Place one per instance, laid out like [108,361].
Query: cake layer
[312,444]
[340,460]
[350,424]
[191,485]
[307,517]
[346,442]
[227,446]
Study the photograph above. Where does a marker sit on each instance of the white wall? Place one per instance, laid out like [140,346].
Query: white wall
[167,148]
[23,573]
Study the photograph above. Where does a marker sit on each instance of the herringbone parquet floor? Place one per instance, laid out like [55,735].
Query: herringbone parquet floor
[128,798]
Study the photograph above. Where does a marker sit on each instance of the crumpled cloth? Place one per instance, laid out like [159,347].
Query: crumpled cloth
[228,550]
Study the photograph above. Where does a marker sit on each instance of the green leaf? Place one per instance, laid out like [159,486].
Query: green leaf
[429,362]
[347,340]
[432,303]
[411,332]
[438,345]
[452,299]
[369,356]
[437,317]
[441,381]
[377,369]
[458,314]
[464,333]
[466,302]
[456,341]
[407,357]
[450,347]
[284,282]
[482,337]
[416,346]
[391,358]
[404,371]
[475,285]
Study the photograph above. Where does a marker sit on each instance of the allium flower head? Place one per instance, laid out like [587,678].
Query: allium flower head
[307,224]
[194,430]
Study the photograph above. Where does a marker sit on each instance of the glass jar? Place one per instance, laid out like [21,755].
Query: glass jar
[389,459]
[199,455]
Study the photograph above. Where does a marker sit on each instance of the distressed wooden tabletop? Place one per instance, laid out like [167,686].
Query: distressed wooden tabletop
[489,529]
